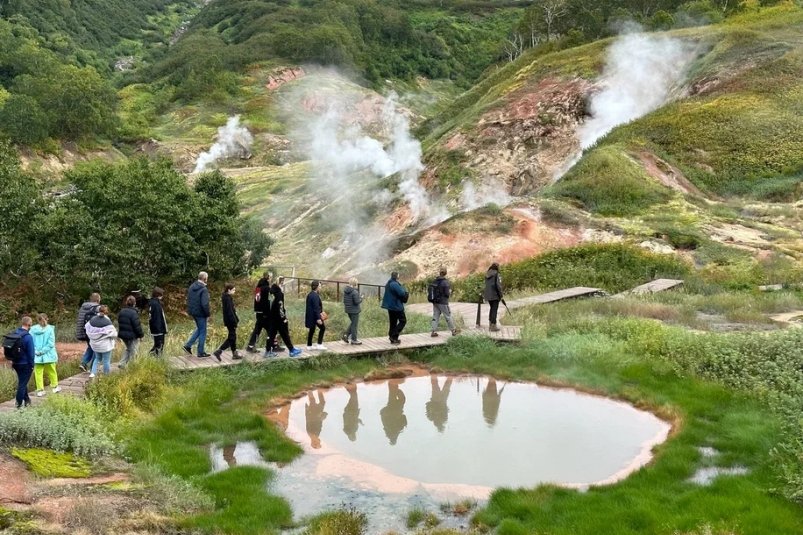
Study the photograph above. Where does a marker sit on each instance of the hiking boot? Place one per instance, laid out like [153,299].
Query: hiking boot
[236,356]
[356,343]
[269,354]
[345,338]
[188,350]
[295,352]
[251,349]
[217,355]
[203,355]
[494,328]
[434,334]
[395,342]
[83,367]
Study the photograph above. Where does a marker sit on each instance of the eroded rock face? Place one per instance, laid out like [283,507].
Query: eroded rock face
[529,138]
[282,75]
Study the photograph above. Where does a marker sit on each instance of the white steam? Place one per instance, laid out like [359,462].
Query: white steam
[232,140]
[473,197]
[640,73]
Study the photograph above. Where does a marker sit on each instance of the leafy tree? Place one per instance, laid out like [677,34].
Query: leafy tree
[20,201]
[23,120]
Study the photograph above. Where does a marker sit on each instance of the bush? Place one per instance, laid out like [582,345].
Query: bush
[345,522]
[61,423]
[140,388]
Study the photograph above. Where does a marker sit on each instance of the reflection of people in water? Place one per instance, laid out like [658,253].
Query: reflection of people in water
[282,416]
[437,409]
[392,414]
[351,414]
[490,402]
[228,455]
[315,416]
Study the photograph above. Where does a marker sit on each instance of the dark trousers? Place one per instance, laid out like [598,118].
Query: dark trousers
[24,372]
[321,329]
[494,307]
[231,340]
[398,320]
[158,345]
[281,328]
[260,324]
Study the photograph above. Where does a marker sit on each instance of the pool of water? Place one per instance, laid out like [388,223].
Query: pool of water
[388,446]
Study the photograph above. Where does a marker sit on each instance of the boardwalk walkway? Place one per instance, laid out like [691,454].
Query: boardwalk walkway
[76,384]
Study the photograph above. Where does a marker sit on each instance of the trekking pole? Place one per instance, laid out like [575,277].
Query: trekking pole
[479,310]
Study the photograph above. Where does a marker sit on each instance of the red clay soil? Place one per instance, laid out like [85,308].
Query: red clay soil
[16,482]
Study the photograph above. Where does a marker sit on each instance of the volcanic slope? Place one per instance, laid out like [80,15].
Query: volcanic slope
[714,174]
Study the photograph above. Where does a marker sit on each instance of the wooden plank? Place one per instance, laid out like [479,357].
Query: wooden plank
[654,286]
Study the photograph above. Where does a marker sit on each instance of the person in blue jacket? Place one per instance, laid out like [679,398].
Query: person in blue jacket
[24,366]
[198,308]
[393,301]
[45,358]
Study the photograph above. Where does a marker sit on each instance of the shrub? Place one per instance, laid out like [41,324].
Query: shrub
[345,522]
[61,423]
[140,388]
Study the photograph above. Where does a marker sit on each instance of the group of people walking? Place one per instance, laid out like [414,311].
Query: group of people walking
[35,345]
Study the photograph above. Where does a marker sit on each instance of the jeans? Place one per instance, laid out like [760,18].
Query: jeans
[130,352]
[231,340]
[158,344]
[198,334]
[437,310]
[39,371]
[89,355]
[397,319]
[260,324]
[351,332]
[24,372]
[494,305]
[106,358]
[321,329]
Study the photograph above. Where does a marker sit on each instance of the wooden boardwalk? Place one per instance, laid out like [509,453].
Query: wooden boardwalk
[70,386]
[658,285]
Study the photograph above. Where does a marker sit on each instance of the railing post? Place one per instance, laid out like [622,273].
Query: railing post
[479,310]
[338,291]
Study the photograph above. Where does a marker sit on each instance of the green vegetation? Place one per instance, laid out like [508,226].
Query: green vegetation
[112,217]
[346,522]
[48,463]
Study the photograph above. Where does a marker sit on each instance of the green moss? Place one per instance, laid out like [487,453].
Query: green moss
[47,463]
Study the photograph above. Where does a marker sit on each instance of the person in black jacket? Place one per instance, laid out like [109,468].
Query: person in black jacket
[129,331]
[230,320]
[278,322]
[261,311]
[493,294]
[157,322]
[314,318]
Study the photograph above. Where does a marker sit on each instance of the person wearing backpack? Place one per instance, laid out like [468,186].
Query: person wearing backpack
[261,311]
[493,294]
[230,320]
[157,322]
[393,301]
[130,330]
[438,293]
[102,337]
[19,349]
[45,358]
[352,298]
[85,313]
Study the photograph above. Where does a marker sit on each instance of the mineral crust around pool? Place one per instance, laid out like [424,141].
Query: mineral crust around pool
[451,437]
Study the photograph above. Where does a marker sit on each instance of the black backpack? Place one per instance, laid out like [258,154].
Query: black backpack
[434,292]
[12,346]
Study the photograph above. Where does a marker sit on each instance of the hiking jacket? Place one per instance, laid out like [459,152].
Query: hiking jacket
[102,334]
[230,318]
[314,309]
[87,308]
[157,322]
[352,300]
[262,296]
[392,300]
[277,311]
[28,351]
[445,291]
[493,286]
[198,300]
[44,342]
[130,327]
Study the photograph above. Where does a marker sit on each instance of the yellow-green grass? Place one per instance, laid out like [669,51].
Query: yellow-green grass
[48,463]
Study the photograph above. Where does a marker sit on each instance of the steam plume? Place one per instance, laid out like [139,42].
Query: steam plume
[232,140]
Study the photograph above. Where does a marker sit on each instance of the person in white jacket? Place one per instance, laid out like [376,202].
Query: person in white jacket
[102,339]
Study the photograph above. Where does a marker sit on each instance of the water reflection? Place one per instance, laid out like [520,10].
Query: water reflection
[351,414]
[315,416]
[393,419]
[437,408]
[491,398]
